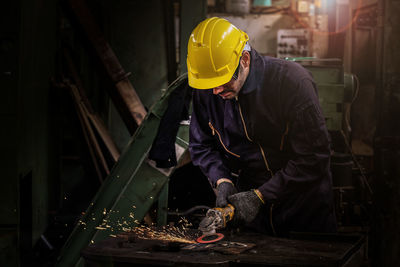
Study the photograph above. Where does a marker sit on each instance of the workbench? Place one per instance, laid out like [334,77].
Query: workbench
[262,250]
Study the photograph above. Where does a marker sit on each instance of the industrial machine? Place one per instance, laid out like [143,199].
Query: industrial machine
[293,43]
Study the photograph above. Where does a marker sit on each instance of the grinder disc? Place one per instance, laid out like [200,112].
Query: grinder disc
[211,238]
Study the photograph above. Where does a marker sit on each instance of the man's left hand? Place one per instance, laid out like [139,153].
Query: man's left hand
[247,205]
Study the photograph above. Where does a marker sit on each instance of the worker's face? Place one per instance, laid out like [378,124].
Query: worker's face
[228,90]
[231,89]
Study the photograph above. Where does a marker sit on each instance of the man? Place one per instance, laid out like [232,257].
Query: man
[258,130]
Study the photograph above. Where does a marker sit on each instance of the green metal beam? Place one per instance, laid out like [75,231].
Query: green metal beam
[129,191]
[162,212]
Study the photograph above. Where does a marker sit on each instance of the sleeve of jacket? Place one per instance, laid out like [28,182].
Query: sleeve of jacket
[309,140]
[202,145]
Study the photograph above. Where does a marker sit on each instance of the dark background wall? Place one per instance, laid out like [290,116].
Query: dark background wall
[386,220]
[27,60]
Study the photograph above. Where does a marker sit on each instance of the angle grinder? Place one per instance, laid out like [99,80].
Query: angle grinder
[215,219]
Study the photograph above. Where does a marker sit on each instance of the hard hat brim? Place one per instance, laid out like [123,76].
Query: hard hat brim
[209,83]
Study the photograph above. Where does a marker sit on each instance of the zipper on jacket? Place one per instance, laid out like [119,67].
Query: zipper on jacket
[213,130]
[245,131]
[241,117]
[271,208]
[284,136]
[265,160]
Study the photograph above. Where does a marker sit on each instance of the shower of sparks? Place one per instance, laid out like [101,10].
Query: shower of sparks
[131,225]
[166,233]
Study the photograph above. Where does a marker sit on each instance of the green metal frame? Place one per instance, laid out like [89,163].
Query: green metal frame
[130,190]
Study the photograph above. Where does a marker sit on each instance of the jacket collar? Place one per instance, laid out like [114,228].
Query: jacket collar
[255,77]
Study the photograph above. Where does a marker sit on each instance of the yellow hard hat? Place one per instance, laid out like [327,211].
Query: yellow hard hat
[214,50]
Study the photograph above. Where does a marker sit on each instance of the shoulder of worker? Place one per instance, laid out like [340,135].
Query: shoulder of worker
[289,76]
[294,85]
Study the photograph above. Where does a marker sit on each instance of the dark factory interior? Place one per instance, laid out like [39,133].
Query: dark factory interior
[96,113]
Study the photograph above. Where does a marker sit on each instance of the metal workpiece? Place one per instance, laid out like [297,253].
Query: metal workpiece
[239,249]
[129,191]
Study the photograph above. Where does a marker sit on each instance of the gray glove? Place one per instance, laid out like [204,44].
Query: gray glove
[224,190]
[247,205]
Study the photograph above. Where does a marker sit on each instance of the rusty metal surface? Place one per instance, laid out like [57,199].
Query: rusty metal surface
[262,250]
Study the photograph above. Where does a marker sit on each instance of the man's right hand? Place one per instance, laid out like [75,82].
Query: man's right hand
[224,190]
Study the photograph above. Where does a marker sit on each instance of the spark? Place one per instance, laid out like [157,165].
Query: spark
[167,233]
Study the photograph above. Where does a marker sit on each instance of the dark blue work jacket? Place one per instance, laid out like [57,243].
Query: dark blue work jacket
[274,136]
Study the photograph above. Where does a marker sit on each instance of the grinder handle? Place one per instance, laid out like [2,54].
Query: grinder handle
[227,213]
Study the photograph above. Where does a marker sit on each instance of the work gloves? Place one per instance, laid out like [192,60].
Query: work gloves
[224,190]
[247,205]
